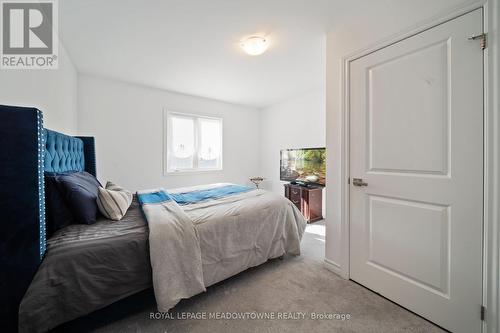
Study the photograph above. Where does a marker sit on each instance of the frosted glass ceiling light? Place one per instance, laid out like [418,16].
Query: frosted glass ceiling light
[255,45]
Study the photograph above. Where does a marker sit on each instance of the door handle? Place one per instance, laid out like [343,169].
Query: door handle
[358,182]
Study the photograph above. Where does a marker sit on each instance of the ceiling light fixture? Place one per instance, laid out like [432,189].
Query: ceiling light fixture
[255,45]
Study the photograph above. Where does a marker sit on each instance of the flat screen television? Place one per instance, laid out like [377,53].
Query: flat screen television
[305,166]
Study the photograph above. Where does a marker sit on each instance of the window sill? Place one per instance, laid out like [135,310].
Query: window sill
[191,172]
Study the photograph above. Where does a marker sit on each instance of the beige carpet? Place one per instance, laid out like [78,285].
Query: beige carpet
[297,287]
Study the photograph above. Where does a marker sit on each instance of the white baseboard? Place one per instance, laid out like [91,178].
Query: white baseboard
[334,267]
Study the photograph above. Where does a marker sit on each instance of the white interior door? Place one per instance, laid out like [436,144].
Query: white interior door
[416,127]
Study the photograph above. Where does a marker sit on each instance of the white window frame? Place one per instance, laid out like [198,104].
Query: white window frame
[167,130]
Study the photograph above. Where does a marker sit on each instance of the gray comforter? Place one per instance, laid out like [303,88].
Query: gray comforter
[87,267]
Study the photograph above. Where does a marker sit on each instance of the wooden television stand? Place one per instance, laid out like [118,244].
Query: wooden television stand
[309,200]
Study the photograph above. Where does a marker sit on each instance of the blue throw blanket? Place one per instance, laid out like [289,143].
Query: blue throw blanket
[153,197]
[187,198]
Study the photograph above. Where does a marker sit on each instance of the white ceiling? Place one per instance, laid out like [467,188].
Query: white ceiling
[192,46]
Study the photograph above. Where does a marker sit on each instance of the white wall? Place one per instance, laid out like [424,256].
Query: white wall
[126,120]
[52,91]
[346,37]
[298,122]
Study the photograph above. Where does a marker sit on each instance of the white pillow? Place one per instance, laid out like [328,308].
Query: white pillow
[113,201]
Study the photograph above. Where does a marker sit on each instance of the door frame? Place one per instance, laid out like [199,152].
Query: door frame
[491,199]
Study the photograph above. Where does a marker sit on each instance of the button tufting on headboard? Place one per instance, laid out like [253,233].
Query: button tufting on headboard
[63,153]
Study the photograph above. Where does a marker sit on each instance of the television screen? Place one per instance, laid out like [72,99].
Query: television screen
[307,165]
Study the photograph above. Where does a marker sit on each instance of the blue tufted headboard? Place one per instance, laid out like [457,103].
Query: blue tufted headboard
[64,153]
[27,151]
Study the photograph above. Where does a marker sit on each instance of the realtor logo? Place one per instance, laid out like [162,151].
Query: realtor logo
[29,35]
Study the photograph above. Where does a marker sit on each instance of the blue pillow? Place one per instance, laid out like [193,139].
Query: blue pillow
[58,212]
[80,191]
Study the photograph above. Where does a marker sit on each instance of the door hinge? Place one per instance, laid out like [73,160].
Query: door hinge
[483,312]
[482,37]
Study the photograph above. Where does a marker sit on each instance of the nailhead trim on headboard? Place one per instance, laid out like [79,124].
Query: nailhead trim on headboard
[41,182]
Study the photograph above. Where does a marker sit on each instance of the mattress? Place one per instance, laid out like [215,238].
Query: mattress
[88,267]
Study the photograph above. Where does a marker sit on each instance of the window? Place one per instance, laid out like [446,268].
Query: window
[194,143]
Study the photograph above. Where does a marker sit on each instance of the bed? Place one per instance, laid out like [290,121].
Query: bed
[87,267]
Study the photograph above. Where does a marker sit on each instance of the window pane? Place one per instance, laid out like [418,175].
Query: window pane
[182,143]
[210,150]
